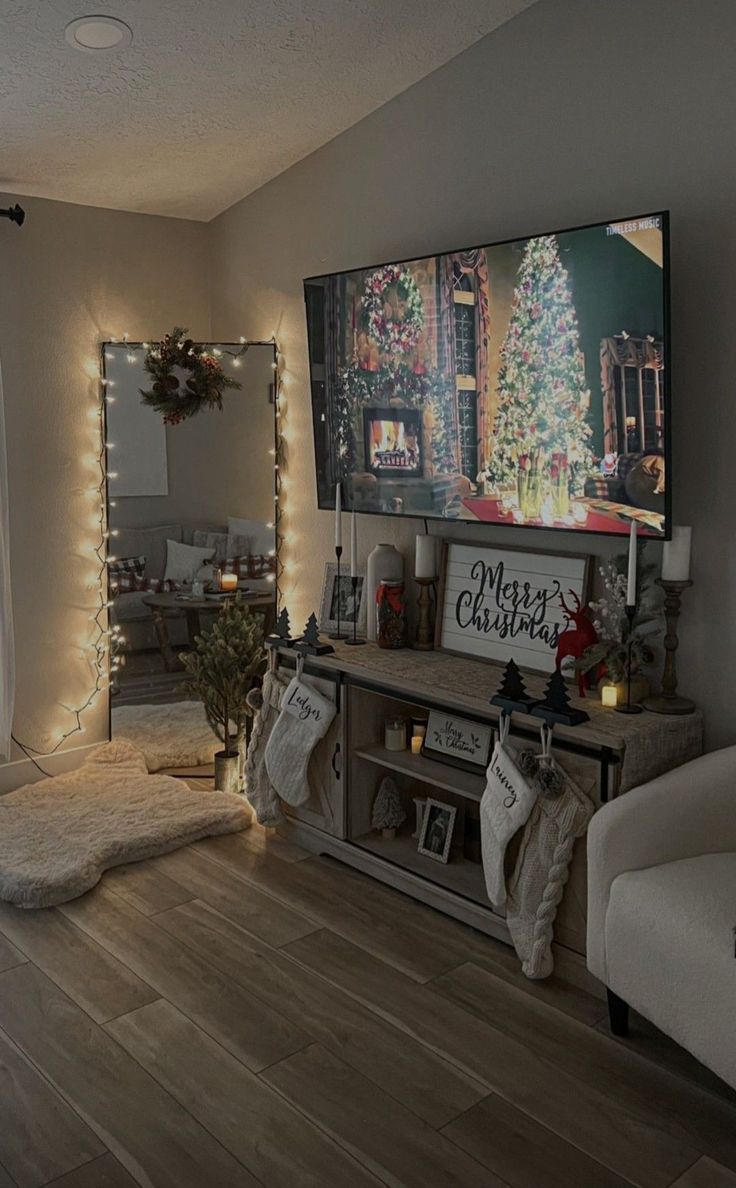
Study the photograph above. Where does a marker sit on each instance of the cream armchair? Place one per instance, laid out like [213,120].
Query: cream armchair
[662,907]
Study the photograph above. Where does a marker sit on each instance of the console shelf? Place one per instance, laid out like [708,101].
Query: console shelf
[427,771]
[464,878]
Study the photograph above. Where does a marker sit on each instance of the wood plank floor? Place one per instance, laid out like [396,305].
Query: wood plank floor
[240,1013]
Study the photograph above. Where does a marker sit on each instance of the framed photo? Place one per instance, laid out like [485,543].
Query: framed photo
[342,597]
[498,603]
[438,823]
[458,741]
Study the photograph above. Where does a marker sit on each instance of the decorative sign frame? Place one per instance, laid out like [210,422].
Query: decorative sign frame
[496,603]
[458,741]
[437,813]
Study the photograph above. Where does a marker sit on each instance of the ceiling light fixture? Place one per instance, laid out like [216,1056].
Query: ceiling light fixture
[97,34]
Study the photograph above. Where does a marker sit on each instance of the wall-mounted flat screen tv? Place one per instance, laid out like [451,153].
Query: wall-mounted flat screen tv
[521,383]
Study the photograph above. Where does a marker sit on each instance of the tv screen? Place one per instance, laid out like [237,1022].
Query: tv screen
[522,383]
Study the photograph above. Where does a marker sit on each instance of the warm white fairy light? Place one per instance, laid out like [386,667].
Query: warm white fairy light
[102,649]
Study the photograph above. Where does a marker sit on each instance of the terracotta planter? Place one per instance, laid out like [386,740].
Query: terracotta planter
[227,771]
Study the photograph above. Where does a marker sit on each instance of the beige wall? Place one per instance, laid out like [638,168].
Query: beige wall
[575,111]
[69,278]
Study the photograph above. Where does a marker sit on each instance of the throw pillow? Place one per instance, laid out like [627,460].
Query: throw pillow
[123,573]
[211,540]
[183,561]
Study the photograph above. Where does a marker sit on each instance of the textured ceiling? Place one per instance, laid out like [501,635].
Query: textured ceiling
[213,98]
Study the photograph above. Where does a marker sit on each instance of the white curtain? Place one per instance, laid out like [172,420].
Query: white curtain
[7,648]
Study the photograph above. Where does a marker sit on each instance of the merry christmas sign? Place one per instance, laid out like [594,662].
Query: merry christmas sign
[498,603]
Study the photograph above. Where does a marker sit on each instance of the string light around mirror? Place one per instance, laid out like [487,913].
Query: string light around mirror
[103,649]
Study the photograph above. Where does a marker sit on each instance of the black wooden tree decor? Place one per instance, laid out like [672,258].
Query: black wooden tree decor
[310,642]
[556,705]
[512,694]
[281,633]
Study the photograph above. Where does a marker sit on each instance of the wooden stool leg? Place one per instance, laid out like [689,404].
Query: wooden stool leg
[162,633]
[618,1014]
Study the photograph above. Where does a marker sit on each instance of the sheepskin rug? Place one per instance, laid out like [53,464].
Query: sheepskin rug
[59,835]
[174,734]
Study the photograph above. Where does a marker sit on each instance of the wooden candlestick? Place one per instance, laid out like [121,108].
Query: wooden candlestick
[424,641]
[668,701]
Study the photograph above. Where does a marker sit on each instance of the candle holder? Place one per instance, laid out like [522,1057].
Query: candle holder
[424,641]
[353,639]
[629,708]
[669,701]
[339,634]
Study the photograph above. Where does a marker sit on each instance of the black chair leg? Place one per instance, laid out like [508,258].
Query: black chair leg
[618,1014]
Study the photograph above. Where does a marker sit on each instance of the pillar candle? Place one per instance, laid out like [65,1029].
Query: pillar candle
[353,546]
[676,556]
[609,695]
[338,516]
[631,583]
[416,744]
[425,565]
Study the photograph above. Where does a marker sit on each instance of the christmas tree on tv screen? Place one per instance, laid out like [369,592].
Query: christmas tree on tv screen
[541,437]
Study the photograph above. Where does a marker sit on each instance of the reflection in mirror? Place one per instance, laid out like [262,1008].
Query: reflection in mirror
[190,514]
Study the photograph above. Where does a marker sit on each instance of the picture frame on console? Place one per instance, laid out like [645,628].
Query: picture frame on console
[438,824]
[498,603]
[458,742]
[341,599]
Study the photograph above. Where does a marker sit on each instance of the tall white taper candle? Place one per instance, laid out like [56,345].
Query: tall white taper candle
[631,583]
[338,516]
[353,546]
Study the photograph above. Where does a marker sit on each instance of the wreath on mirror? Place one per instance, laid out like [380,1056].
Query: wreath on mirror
[187,378]
[393,335]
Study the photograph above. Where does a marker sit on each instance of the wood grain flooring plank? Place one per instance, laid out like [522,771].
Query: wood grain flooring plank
[273,844]
[84,970]
[414,938]
[523,1153]
[706,1174]
[582,1114]
[156,1140]
[250,1029]
[501,960]
[104,1172]
[9,955]
[274,1141]
[145,888]
[646,1040]
[264,916]
[680,1108]
[399,1147]
[40,1136]
[423,1081]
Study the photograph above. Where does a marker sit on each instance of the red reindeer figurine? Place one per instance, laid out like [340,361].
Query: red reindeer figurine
[575,639]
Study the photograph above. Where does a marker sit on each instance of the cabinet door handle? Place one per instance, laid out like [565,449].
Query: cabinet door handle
[335,753]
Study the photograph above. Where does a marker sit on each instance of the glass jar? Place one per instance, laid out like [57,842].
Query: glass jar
[391,615]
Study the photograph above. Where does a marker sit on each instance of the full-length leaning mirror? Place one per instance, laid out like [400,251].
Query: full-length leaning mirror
[190,516]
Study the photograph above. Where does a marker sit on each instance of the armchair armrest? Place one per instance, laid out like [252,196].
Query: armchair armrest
[681,814]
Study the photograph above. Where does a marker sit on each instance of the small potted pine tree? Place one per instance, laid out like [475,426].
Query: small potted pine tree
[221,667]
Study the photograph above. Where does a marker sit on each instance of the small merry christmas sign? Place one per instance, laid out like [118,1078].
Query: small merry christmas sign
[499,603]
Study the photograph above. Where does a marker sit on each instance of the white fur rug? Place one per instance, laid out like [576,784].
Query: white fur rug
[58,836]
[175,734]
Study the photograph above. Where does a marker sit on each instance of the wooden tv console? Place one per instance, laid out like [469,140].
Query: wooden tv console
[606,756]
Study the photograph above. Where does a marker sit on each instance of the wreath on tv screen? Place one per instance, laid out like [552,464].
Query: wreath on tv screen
[186,378]
[393,308]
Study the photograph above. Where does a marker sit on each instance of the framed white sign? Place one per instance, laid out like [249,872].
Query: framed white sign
[499,603]
[458,741]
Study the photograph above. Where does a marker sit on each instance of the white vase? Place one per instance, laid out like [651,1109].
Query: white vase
[385,564]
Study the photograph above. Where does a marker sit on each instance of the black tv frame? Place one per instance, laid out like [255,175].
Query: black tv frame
[664,215]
